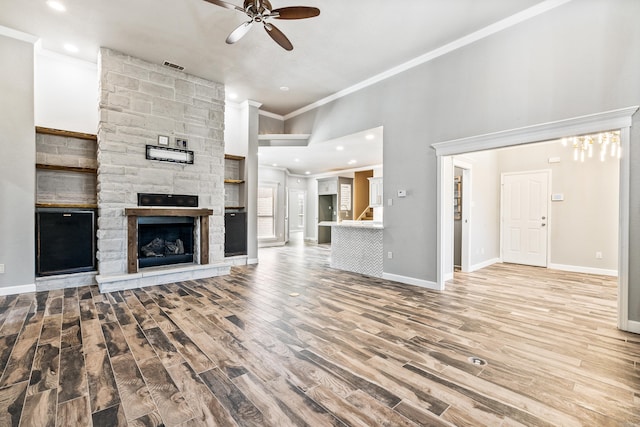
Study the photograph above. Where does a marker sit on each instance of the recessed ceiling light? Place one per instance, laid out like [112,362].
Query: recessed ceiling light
[284,88]
[351,162]
[370,136]
[296,160]
[274,165]
[233,96]
[56,5]
[70,48]
[307,173]
[339,148]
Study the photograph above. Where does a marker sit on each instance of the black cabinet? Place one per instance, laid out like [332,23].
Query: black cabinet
[65,241]
[235,233]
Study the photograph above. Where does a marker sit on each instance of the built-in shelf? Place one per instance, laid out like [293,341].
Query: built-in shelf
[234,207]
[284,140]
[68,205]
[66,168]
[232,157]
[67,133]
[234,181]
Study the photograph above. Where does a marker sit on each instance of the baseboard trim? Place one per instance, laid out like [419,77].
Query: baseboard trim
[448,277]
[251,261]
[13,290]
[633,326]
[270,244]
[411,281]
[586,270]
[484,264]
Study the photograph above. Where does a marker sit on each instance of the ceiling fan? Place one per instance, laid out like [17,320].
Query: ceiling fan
[260,11]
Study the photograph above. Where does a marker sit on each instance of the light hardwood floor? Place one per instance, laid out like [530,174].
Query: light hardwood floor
[292,342]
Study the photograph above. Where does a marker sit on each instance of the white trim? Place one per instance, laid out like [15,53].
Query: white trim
[81,63]
[633,326]
[252,261]
[624,211]
[484,264]
[250,103]
[18,35]
[268,244]
[482,33]
[622,118]
[12,290]
[591,123]
[271,115]
[582,269]
[411,281]
[448,276]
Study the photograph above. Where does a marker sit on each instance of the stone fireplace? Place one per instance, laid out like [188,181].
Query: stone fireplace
[139,103]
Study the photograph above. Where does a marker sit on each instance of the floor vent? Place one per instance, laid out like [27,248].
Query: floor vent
[477,361]
[172,65]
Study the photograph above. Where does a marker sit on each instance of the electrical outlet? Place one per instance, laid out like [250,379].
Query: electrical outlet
[598,255]
[390,255]
[1,268]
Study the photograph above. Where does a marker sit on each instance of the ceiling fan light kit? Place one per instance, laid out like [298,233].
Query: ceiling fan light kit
[259,11]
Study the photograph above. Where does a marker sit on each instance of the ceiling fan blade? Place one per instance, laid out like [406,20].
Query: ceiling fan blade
[295,12]
[225,5]
[239,32]
[278,36]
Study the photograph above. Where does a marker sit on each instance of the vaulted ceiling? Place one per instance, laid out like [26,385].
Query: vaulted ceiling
[349,42]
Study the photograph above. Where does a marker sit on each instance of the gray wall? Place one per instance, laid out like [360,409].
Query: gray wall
[580,58]
[17,159]
[269,125]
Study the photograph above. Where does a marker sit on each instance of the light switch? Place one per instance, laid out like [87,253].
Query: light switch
[1,268]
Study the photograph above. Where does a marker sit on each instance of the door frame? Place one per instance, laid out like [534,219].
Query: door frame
[467,185]
[290,203]
[620,119]
[549,174]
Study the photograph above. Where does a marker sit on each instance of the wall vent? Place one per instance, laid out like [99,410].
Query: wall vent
[172,65]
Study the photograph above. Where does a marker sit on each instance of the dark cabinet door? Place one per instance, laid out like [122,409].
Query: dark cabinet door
[65,242]
[235,233]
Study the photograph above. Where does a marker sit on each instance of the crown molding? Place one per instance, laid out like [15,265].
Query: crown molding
[485,32]
[271,115]
[18,35]
[608,120]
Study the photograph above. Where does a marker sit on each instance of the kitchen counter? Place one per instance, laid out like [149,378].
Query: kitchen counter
[356,246]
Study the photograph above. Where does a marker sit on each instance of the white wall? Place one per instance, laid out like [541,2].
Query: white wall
[233,142]
[17,171]
[66,93]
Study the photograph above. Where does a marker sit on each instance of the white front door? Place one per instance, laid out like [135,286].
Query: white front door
[525,218]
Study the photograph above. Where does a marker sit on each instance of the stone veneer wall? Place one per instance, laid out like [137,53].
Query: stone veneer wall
[63,186]
[139,101]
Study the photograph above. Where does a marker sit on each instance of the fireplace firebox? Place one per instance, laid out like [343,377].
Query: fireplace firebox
[165,240]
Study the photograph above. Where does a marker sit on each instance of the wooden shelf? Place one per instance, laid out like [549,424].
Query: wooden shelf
[66,133]
[66,168]
[68,205]
[234,181]
[232,157]
[194,212]
[234,207]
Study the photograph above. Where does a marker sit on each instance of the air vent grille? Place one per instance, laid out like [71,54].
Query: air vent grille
[172,65]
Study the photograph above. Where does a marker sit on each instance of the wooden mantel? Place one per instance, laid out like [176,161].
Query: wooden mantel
[132,215]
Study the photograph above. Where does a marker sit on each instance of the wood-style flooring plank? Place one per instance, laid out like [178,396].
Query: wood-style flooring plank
[74,412]
[347,350]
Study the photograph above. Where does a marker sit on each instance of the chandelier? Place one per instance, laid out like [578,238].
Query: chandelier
[608,143]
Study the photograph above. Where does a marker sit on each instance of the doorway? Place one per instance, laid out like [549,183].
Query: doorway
[296,214]
[611,120]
